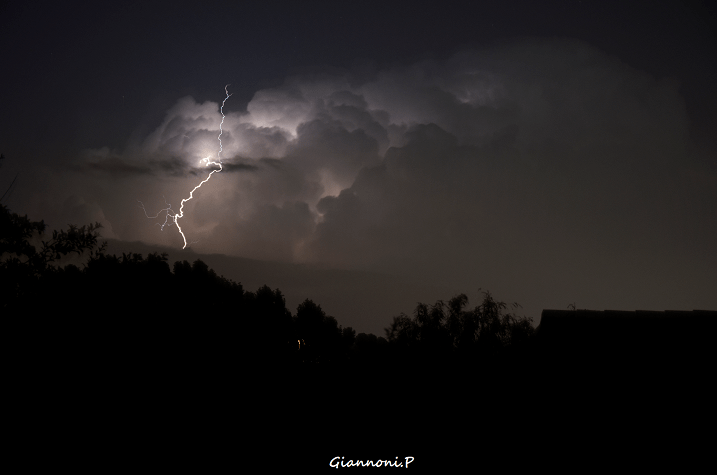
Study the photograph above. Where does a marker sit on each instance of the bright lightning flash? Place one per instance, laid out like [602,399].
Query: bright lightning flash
[170,215]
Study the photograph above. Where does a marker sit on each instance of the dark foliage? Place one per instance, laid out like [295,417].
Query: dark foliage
[446,333]
[23,265]
[141,337]
[190,309]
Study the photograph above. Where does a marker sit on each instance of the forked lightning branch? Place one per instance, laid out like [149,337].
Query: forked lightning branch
[169,215]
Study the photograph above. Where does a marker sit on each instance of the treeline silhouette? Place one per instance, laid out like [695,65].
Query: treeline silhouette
[150,340]
[131,298]
[132,321]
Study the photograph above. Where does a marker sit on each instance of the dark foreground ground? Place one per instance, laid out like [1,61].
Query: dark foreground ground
[81,399]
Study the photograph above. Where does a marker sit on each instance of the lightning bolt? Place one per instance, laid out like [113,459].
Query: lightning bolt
[170,215]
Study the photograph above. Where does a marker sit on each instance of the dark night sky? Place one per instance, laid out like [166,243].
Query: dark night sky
[552,152]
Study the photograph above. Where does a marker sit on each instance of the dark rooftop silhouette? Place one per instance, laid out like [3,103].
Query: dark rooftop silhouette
[648,343]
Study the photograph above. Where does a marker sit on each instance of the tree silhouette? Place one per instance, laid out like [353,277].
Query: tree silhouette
[270,327]
[437,331]
[323,341]
[309,321]
[23,264]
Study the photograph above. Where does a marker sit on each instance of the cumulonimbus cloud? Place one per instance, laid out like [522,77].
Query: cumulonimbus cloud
[533,149]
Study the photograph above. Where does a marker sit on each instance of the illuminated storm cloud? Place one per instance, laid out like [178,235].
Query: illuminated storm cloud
[424,166]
